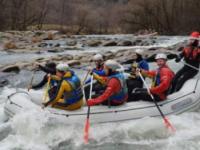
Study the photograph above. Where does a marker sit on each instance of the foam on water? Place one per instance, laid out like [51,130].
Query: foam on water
[34,129]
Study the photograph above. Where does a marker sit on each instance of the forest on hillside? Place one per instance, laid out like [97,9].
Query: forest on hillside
[170,17]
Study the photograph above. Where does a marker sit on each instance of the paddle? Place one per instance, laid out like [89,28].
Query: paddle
[195,68]
[87,123]
[166,121]
[83,83]
[31,81]
[46,90]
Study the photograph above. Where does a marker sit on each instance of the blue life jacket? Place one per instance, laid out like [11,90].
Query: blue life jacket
[76,94]
[156,79]
[122,94]
[99,72]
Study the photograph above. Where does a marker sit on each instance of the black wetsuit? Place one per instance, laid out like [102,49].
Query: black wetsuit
[47,70]
[136,82]
[142,94]
[186,72]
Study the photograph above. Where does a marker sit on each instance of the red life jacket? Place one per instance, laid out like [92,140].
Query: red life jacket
[165,75]
[191,53]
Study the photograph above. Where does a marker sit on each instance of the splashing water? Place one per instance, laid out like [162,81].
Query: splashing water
[35,130]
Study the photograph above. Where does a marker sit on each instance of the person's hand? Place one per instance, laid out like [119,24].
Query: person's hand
[43,106]
[90,102]
[36,65]
[91,73]
[29,87]
[138,70]
[178,59]
[89,68]
[149,92]
[48,75]
[132,76]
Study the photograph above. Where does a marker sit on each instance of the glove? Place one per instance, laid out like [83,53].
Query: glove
[91,102]
[178,59]
[91,73]
[45,104]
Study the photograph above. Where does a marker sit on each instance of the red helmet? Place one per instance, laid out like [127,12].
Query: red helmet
[194,34]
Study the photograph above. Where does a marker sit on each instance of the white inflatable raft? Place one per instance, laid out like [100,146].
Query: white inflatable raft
[187,99]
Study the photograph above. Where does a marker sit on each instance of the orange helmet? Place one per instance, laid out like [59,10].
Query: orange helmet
[194,34]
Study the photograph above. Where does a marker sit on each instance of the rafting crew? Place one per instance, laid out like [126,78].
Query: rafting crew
[116,89]
[68,94]
[191,56]
[49,68]
[162,78]
[133,80]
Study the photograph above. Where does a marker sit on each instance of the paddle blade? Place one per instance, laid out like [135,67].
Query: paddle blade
[86,131]
[168,125]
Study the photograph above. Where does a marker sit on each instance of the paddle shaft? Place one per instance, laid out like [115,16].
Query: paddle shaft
[87,123]
[90,96]
[46,91]
[195,68]
[151,95]
[82,85]
[166,121]
[31,82]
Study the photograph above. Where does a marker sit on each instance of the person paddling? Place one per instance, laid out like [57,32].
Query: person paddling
[68,94]
[133,80]
[49,68]
[116,89]
[98,88]
[162,78]
[191,55]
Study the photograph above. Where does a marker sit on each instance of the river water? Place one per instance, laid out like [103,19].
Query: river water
[32,130]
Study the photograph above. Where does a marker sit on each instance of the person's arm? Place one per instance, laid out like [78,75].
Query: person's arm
[63,86]
[112,87]
[149,74]
[55,77]
[180,55]
[47,70]
[164,84]
[41,84]
[100,79]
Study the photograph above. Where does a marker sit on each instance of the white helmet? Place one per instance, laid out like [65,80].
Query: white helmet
[98,57]
[161,56]
[112,64]
[62,67]
[139,51]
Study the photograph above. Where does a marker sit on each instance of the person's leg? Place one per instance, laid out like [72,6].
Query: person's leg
[175,80]
[132,84]
[60,105]
[144,95]
[87,91]
[187,75]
